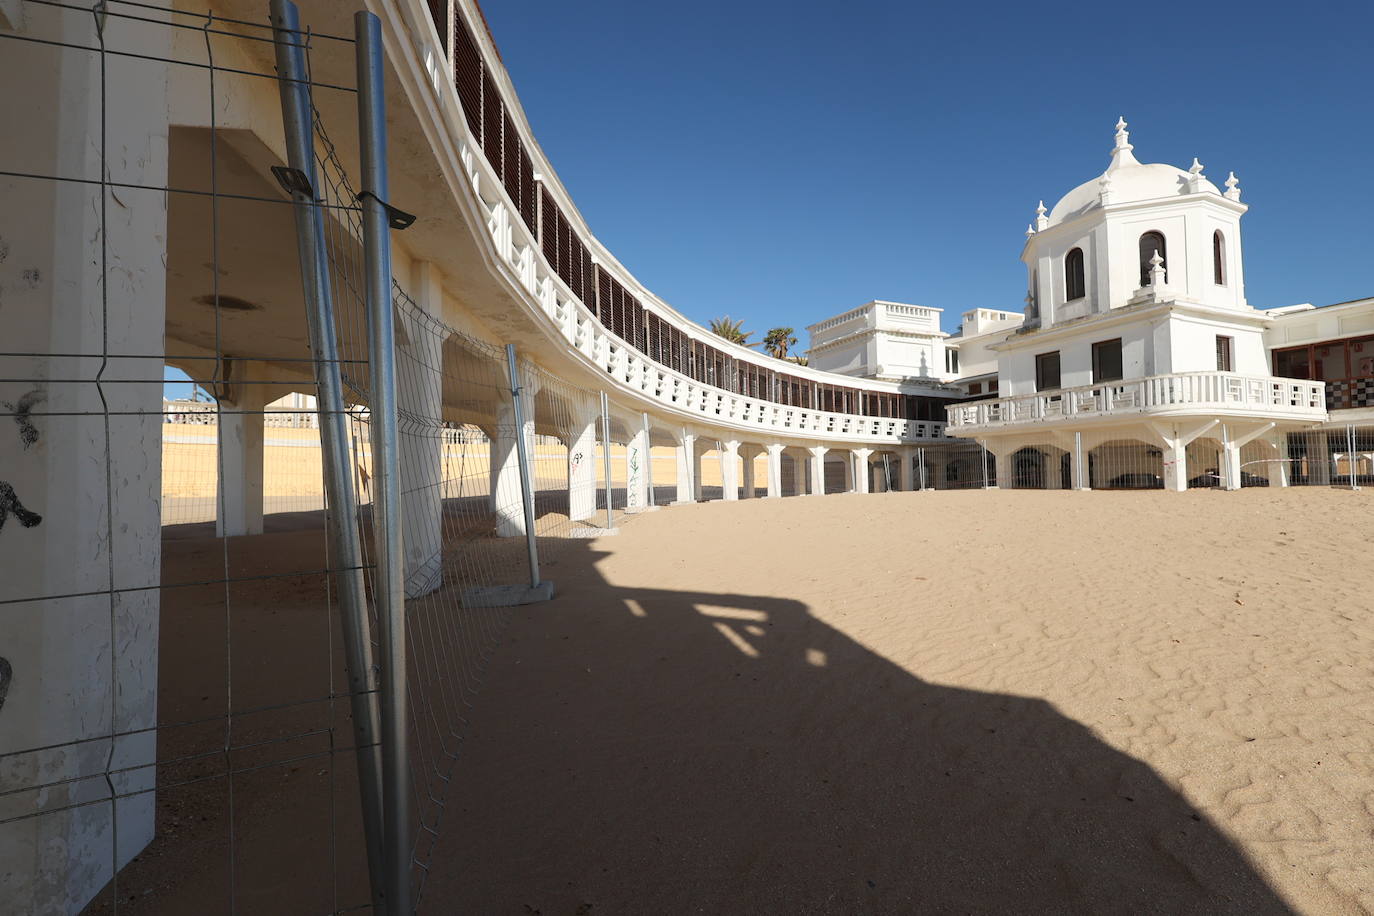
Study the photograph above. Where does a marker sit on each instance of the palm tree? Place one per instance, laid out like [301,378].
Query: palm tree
[778,341]
[732,331]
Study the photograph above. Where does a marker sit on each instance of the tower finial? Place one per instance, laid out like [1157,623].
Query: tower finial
[1195,177]
[1041,221]
[1121,153]
[1030,230]
[1232,188]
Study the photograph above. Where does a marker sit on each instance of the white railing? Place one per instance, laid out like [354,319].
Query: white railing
[518,250]
[1181,392]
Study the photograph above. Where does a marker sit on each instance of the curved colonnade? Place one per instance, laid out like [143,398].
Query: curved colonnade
[583,318]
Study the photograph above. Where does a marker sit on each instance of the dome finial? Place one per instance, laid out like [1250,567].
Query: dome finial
[1232,188]
[1121,153]
[1156,271]
[1041,221]
[1030,230]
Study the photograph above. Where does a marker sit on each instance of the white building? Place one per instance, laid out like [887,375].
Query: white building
[970,361]
[894,341]
[1139,344]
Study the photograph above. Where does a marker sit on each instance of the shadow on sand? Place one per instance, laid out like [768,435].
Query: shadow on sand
[651,751]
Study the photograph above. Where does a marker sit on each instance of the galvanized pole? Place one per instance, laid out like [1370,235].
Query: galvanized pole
[345,547]
[985,467]
[522,454]
[921,462]
[1350,456]
[388,588]
[606,454]
[648,458]
[1078,460]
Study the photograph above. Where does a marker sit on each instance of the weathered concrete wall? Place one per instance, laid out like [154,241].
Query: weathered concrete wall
[82,273]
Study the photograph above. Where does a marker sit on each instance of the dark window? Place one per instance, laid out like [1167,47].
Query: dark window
[1047,371]
[1073,275]
[992,386]
[975,388]
[1151,242]
[1330,362]
[1223,354]
[1107,360]
[1293,363]
[1218,258]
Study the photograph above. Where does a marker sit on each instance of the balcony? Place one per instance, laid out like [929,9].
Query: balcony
[1179,394]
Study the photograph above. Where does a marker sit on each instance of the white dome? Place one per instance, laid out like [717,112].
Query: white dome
[1131,181]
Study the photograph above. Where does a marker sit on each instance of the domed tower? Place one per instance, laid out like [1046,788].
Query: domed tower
[1138,233]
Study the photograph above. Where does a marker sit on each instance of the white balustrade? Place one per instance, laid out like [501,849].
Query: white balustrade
[1159,394]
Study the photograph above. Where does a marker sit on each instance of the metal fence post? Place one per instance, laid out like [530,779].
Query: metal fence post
[985,467]
[1350,456]
[606,455]
[522,454]
[388,585]
[345,546]
[648,458]
[1078,463]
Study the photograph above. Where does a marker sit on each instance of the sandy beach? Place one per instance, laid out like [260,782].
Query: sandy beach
[936,702]
[952,702]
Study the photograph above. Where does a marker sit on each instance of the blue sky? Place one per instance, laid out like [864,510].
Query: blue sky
[784,161]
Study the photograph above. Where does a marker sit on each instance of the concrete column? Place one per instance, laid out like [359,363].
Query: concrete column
[747,454]
[582,463]
[1319,457]
[1003,464]
[85,272]
[698,452]
[1078,464]
[636,461]
[1230,460]
[420,446]
[729,469]
[775,470]
[240,443]
[858,470]
[507,497]
[906,470]
[1176,466]
[817,462]
[1278,477]
[686,451]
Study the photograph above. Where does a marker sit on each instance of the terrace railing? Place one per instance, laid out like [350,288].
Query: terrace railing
[1180,392]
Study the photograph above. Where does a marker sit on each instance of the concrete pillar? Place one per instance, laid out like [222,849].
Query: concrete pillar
[906,470]
[85,272]
[1278,477]
[729,469]
[747,455]
[817,462]
[775,470]
[582,463]
[420,445]
[241,433]
[698,452]
[1230,460]
[858,470]
[1318,457]
[685,452]
[1078,464]
[507,497]
[1003,463]
[1176,466]
[636,460]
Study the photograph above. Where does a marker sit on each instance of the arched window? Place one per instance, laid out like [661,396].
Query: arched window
[1151,242]
[1218,258]
[1073,275]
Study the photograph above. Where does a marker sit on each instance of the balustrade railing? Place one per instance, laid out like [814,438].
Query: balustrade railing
[520,253]
[1219,391]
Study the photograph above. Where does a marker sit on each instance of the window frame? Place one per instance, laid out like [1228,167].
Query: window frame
[1041,375]
[1075,275]
[1227,350]
[1098,377]
[1163,250]
[1218,258]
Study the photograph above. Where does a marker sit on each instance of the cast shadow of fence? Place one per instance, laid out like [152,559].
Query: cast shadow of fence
[646,750]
